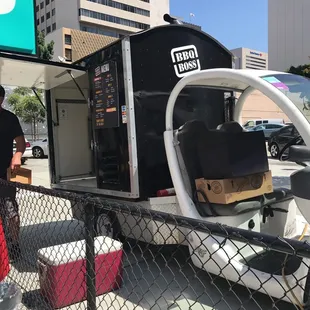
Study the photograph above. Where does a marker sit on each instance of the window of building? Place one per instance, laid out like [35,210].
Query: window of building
[68,39]
[112,19]
[48,15]
[38,22]
[53,12]
[122,6]
[54,26]
[101,31]
[37,8]
[68,54]
[48,29]
[47,2]
[42,19]
[41,5]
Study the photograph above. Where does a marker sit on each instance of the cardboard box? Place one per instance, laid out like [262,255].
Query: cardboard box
[227,191]
[22,175]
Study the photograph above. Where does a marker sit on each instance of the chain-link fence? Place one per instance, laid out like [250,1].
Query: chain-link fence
[78,252]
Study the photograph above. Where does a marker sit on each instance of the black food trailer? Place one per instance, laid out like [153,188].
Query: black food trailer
[106,114]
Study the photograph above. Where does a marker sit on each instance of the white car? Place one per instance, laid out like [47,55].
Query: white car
[40,148]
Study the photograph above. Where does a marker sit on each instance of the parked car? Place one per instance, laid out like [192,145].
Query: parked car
[267,128]
[280,138]
[27,153]
[255,122]
[40,148]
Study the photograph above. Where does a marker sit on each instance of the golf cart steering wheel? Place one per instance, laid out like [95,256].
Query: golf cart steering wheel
[296,141]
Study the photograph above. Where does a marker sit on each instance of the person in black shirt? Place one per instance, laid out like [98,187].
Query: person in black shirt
[10,130]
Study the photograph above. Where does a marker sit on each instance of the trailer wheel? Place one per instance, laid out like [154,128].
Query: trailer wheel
[107,225]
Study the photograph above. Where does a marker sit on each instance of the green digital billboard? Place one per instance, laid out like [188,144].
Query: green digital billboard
[17,21]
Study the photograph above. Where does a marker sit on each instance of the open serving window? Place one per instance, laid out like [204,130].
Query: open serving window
[60,81]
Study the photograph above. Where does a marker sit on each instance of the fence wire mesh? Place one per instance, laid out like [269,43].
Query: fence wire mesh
[78,252]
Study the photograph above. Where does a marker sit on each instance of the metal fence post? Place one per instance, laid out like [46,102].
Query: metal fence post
[90,256]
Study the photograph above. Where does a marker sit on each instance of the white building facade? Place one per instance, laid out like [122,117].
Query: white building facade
[246,58]
[106,17]
[288,33]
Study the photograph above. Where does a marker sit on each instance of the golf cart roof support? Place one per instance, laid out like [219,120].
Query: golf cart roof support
[238,80]
[38,97]
[240,103]
[77,84]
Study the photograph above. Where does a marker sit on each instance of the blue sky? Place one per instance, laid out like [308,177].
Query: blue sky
[235,23]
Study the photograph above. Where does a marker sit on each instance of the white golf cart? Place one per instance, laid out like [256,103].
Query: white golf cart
[250,266]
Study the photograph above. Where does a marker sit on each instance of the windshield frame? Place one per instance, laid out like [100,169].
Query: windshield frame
[250,80]
[295,87]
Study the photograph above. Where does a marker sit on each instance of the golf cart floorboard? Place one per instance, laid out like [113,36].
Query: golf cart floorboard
[272,262]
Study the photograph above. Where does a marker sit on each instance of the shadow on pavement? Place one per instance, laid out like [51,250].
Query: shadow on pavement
[35,237]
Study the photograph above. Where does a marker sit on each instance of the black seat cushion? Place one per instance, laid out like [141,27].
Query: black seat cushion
[225,154]
[249,205]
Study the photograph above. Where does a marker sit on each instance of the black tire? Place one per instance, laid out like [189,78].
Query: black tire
[23,160]
[106,224]
[274,150]
[37,152]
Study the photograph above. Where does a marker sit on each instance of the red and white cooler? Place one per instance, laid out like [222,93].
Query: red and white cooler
[62,270]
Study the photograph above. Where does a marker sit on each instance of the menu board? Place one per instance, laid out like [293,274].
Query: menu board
[106,99]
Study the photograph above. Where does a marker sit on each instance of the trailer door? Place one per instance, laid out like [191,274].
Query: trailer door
[73,143]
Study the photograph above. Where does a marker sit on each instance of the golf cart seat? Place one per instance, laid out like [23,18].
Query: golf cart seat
[188,137]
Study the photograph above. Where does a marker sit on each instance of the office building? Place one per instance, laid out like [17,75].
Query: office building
[72,44]
[288,33]
[257,105]
[246,58]
[106,17]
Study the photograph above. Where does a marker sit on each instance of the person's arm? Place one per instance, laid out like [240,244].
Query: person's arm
[20,150]
[20,144]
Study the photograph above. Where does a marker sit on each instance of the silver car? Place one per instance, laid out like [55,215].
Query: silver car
[267,128]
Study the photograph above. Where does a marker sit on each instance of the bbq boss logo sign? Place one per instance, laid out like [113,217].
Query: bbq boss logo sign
[185,60]
[17,19]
